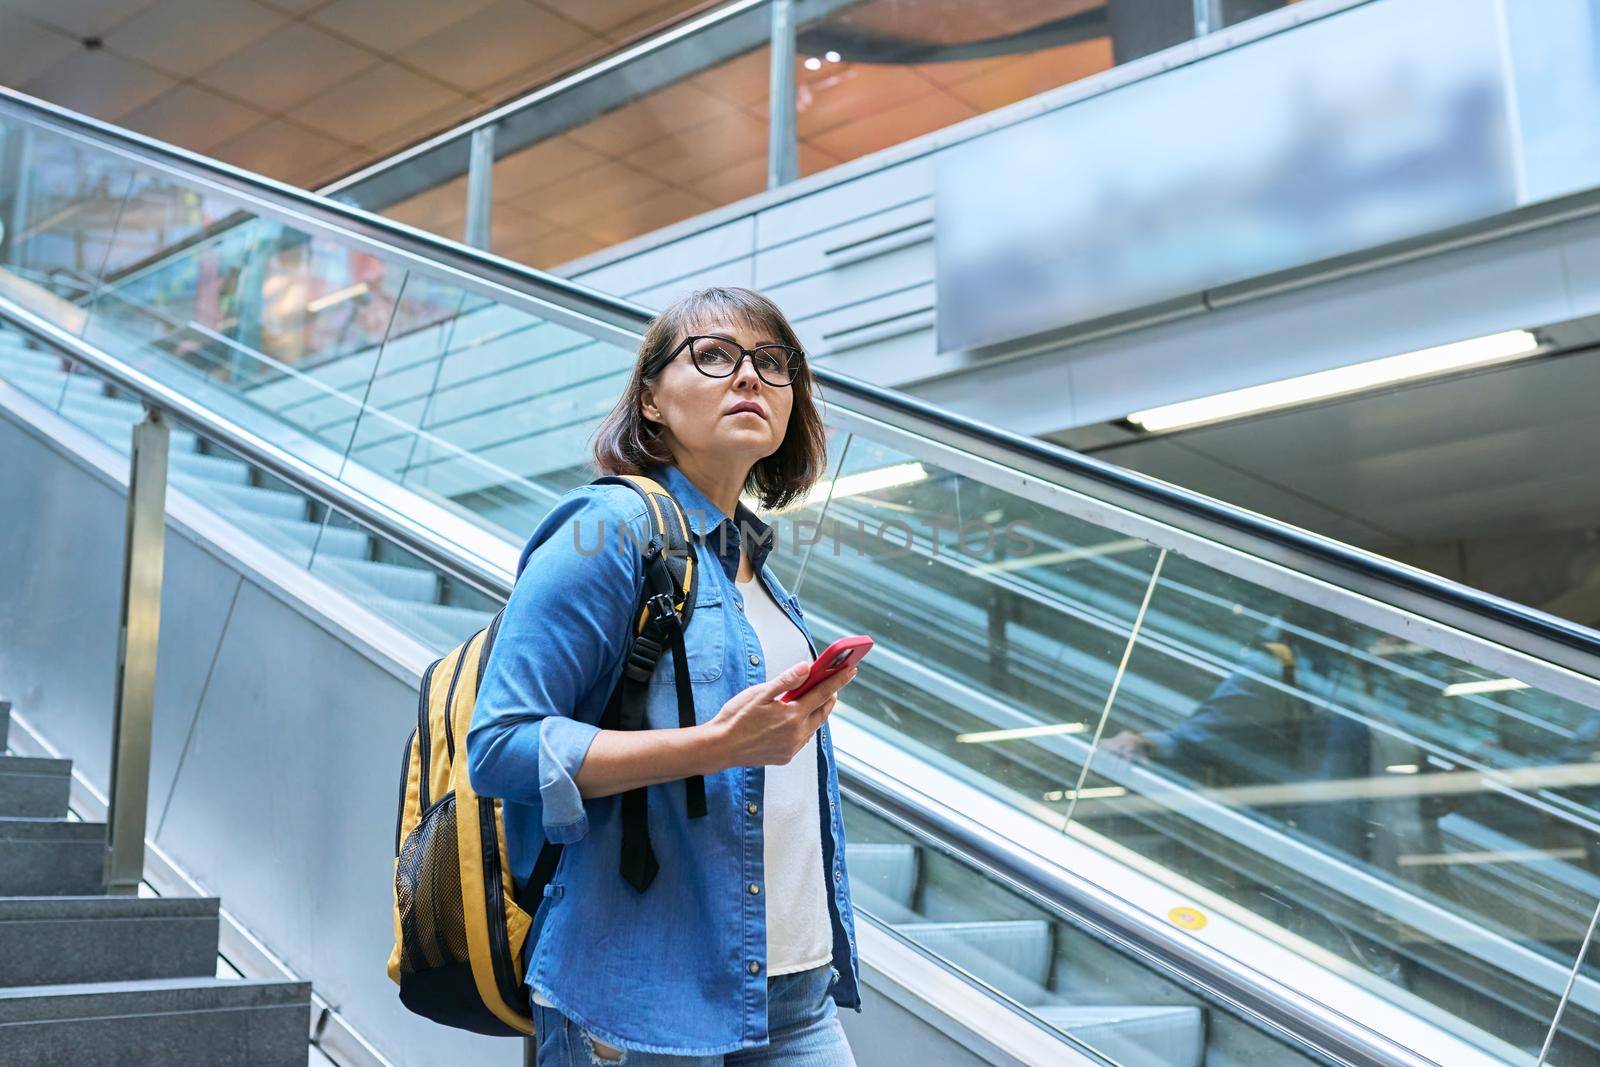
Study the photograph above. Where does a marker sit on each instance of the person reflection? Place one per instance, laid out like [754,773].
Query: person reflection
[1278,720]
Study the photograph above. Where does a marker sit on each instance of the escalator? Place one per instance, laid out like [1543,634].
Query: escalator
[1167,782]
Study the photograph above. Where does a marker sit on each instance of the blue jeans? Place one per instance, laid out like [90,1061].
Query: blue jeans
[802,1025]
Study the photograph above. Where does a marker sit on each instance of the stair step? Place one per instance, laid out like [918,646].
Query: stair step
[273,503]
[51,857]
[216,1021]
[1012,955]
[210,468]
[890,868]
[31,787]
[105,408]
[294,538]
[53,940]
[46,386]
[439,625]
[12,356]
[384,579]
[118,432]
[1135,1034]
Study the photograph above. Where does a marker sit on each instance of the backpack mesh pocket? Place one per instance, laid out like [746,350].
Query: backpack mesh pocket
[428,887]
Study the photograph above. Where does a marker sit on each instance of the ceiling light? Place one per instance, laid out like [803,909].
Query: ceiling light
[1095,792]
[985,736]
[1341,381]
[813,63]
[831,56]
[1487,685]
[1402,768]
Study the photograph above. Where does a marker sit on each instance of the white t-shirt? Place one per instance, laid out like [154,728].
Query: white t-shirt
[799,930]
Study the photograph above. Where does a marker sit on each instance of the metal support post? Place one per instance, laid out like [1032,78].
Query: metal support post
[783,149]
[480,180]
[142,559]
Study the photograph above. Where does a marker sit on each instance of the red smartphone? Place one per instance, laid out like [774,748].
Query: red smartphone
[845,652]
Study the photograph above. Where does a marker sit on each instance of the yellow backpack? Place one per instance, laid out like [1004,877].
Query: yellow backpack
[460,921]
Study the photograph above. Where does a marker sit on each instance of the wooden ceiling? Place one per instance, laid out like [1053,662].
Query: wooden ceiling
[304,90]
[702,143]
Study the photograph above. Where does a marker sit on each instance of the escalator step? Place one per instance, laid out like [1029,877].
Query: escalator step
[1156,1035]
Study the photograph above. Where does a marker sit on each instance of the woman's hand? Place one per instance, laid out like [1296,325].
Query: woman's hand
[756,728]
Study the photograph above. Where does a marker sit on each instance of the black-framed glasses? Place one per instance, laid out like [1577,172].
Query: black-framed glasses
[716,356]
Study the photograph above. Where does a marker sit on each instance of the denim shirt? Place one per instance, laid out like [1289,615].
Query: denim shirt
[679,968]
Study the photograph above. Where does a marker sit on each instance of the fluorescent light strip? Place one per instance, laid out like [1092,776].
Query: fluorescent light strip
[1094,792]
[1065,555]
[349,292]
[861,482]
[1488,685]
[1324,385]
[985,736]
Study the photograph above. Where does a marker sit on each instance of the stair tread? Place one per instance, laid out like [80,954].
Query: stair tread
[82,907]
[145,996]
[29,828]
[40,765]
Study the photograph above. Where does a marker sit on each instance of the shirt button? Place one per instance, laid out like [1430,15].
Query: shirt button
[751,807]
[755,968]
[754,888]
[754,659]
[838,876]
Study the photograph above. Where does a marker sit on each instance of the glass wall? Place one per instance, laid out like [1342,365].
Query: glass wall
[670,132]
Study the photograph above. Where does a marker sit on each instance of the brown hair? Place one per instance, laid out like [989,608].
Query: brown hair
[626,442]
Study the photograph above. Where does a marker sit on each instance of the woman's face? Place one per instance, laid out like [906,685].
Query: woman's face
[695,409]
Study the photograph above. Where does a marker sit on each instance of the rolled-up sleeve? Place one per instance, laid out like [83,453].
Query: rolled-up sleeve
[565,627]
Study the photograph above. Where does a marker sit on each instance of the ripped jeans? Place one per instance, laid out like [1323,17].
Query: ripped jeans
[803,1029]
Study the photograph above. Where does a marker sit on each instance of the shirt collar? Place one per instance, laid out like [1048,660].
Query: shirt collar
[710,525]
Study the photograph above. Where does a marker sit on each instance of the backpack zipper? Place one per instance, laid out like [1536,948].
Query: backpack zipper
[405,772]
[421,734]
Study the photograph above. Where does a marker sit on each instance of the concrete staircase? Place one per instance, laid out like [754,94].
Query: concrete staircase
[88,979]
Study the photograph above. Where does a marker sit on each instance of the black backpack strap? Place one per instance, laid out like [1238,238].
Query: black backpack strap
[665,605]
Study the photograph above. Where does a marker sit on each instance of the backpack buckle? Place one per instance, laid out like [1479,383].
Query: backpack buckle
[661,609]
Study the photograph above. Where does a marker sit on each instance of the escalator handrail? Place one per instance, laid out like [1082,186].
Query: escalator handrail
[1238,527]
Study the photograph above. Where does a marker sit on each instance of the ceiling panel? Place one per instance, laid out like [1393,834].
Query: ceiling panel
[391,25]
[183,38]
[379,99]
[542,165]
[497,42]
[648,119]
[193,117]
[287,67]
[879,129]
[79,18]
[620,19]
[28,48]
[98,83]
[708,148]
[282,150]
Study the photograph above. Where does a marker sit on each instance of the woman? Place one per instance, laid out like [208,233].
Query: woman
[742,945]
